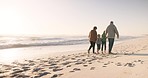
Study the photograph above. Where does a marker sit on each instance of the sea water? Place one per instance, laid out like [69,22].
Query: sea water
[16,48]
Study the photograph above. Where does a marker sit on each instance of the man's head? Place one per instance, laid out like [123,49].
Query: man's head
[95,28]
[111,22]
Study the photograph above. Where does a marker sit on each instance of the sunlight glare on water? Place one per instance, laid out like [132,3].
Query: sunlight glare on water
[9,55]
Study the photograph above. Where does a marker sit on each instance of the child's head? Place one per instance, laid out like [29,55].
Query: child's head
[98,35]
[104,31]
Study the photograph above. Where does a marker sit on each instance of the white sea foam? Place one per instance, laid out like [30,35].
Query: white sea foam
[18,41]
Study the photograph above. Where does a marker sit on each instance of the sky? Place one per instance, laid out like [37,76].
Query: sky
[72,17]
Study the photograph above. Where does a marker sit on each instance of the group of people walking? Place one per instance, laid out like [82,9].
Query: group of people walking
[100,40]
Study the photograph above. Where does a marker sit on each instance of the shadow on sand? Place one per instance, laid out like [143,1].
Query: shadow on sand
[135,54]
[140,54]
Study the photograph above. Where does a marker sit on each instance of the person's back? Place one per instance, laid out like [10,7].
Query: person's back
[112,30]
[93,35]
[92,38]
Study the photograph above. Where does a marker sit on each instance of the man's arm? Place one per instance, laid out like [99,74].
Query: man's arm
[116,31]
[106,31]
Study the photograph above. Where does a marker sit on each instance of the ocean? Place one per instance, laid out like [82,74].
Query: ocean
[19,41]
[18,48]
[7,42]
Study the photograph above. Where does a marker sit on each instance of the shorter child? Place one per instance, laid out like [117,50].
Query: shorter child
[103,42]
[98,43]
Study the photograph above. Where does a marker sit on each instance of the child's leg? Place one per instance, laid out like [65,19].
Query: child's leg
[98,48]
[105,47]
[102,46]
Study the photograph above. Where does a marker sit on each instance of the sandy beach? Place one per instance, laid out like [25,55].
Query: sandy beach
[131,61]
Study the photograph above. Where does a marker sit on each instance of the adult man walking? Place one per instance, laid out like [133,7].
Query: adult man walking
[111,31]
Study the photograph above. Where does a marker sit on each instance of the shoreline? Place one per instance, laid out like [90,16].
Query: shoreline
[130,61]
[16,54]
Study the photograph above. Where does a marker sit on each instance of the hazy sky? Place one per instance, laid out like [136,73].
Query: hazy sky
[72,17]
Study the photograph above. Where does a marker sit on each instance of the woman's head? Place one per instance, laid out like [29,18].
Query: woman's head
[95,28]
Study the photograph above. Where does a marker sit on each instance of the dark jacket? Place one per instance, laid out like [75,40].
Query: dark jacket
[93,35]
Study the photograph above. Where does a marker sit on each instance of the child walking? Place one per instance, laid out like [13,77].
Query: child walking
[103,42]
[98,43]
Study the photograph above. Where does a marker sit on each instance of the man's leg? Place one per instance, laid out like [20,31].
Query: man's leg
[111,43]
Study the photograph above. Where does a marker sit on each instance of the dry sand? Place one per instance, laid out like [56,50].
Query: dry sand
[131,61]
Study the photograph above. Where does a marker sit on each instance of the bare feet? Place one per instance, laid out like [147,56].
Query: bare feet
[98,52]
[88,52]
[102,52]
[105,51]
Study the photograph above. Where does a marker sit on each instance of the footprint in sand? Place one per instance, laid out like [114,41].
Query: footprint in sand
[68,66]
[57,69]
[57,75]
[43,74]
[104,66]
[17,71]
[92,68]
[54,76]
[118,64]
[72,71]
[19,76]
[76,69]
[129,64]
[77,63]
[1,71]
[2,76]
[73,58]
[66,63]
[36,69]
[89,63]
[85,65]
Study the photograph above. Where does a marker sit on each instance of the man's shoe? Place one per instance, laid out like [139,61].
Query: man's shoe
[88,52]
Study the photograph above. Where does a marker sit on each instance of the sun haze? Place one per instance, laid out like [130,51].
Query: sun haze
[72,17]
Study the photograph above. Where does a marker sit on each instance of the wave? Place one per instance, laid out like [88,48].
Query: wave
[17,41]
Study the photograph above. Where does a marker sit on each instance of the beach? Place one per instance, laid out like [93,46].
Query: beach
[130,61]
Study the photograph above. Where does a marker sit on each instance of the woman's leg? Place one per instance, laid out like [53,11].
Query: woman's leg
[102,46]
[91,45]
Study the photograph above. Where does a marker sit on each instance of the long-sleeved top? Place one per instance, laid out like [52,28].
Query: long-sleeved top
[99,41]
[93,35]
[103,37]
[111,31]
